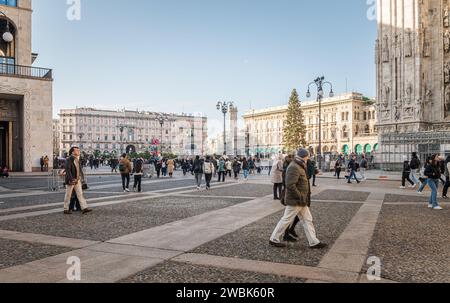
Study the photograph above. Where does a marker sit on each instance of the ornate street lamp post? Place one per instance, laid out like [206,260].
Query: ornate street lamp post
[81,135]
[224,107]
[161,119]
[121,129]
[320,82]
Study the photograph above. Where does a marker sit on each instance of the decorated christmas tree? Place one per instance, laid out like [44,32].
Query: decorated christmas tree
[294,130]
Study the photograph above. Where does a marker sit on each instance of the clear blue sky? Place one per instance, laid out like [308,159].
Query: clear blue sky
[185,55]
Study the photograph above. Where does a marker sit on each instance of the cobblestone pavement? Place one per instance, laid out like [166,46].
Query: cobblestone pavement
[14,253]
[411,240]
[413,244]
[108,222]
[252,242]
[173,272]
[341,195]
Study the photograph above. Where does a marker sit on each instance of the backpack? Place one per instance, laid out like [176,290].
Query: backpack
[139,165]
[364,163]
[442,167]
[121,167]
[415,163]
[198,167]
[208,168]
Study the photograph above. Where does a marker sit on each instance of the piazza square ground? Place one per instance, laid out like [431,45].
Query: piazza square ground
[173,233]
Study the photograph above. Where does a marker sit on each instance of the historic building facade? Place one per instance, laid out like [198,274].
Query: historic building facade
[56,137]
[107,131]
[349,125]
[25,92]
[413,77]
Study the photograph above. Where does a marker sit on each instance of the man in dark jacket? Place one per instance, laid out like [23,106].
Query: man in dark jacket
[312,171]
[298,199]
[73,181]
[352,166]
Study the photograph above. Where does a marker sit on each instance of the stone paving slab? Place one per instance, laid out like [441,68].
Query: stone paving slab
[47,198]
[108,222]
[279,269]
[341,195]
[243,189]
[391,198]
[136,251]
[49,240]
[192,232]
[174,272]
[413,243]
[14,252]
[252,242]
[96,267]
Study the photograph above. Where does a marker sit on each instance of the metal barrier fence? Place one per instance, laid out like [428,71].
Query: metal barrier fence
[396,148]
[56,180]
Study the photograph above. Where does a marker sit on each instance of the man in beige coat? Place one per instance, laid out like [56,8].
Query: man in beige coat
[298,200]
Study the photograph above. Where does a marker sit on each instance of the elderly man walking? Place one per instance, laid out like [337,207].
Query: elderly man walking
[73,179]
[298,201]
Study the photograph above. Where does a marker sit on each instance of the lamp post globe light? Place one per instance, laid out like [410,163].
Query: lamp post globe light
[7,35]
[225,107]
[320,82]
[161,119]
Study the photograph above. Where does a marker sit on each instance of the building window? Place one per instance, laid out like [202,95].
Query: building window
[8,2]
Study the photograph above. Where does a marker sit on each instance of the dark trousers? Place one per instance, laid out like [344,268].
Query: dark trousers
[352,175]
[236,174]
[405,177]
[74,202]
[270,170]
[221,176]
[277,189]
[208,178]
[228,173]
[138,182]
[338,173]
[292,227]
[158,172]
[446,187]
[313,179]
[125,181]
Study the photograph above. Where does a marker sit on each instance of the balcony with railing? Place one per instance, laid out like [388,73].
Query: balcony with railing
[29,72]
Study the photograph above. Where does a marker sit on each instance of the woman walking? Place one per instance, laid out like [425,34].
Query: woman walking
[432,171]
[229,167]
[221,170]
[277,179]
[236,168]
[171,167]
[198,172]
[447,178]
[208,169]
[338,168]
[245,168]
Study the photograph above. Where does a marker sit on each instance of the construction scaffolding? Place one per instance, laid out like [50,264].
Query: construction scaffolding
[395,148]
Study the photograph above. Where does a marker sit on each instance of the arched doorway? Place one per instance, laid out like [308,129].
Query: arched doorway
[359,149]
[376,147]
[346,149]
[131,149]
[367,149]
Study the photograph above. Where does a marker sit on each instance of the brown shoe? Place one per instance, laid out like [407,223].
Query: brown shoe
[67,212]
[87,210]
